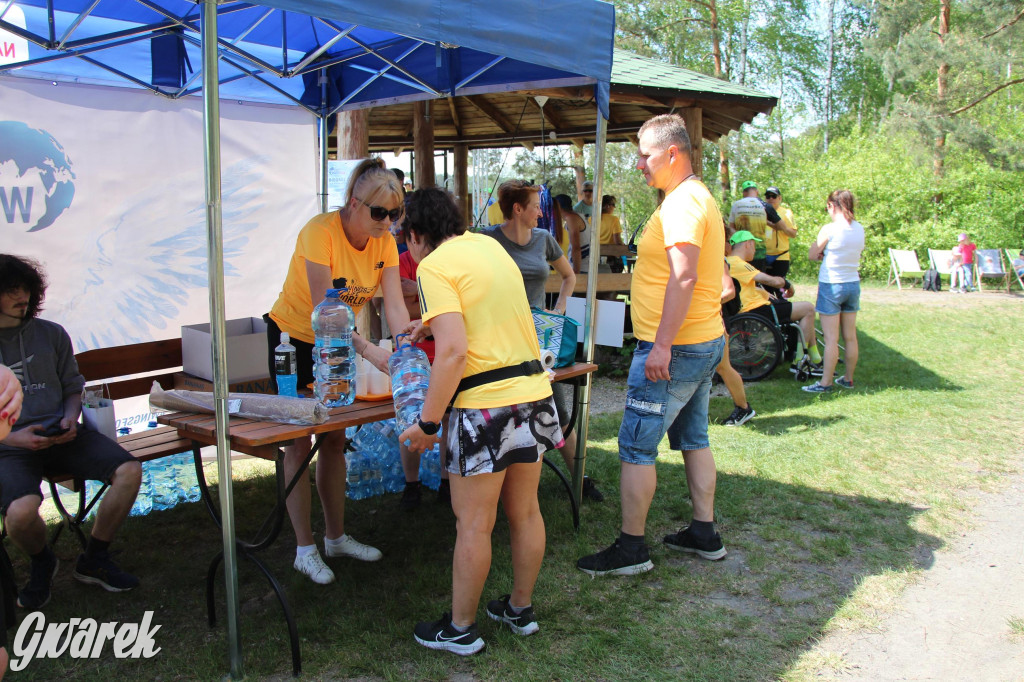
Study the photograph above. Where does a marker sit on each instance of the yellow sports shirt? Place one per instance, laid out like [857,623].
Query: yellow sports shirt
[323,241]
[750,295]
[689,215]
[473,275]
[610,226]
[494,215]
[776,241]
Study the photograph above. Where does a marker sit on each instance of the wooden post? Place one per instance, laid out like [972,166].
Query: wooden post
[461,185]
[693,117]
[353,134]
[423,144]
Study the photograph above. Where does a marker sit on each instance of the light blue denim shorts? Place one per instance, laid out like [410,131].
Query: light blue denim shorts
[679,406]
[838,298]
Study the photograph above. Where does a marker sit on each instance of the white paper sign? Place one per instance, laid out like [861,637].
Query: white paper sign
[13,48]
[611,319]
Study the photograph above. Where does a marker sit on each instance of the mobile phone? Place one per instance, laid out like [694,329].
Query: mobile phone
[53,431]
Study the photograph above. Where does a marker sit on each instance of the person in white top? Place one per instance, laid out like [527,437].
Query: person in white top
[838,247]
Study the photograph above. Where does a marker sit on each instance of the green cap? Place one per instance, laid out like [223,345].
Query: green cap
[743,236]
[748,185]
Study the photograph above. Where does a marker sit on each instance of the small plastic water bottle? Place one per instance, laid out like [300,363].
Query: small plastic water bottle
[430,468]
[354,475]
[165,487]
[185,476]
[144,500]
[373,475]
[410,376]
[286,367]
[334,370]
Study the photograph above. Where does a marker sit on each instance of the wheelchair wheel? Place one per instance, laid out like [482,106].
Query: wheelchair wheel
[755,346]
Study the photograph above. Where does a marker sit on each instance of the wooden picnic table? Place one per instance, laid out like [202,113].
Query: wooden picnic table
[265,439]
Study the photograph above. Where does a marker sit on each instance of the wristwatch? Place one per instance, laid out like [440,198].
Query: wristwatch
[429,428]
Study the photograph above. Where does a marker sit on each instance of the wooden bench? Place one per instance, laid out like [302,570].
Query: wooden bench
[112,370]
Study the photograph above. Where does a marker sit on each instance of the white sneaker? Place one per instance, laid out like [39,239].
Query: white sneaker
[347,545]
[314,568]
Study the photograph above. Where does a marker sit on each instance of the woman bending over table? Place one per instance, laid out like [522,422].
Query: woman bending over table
[348,248]
[503,419]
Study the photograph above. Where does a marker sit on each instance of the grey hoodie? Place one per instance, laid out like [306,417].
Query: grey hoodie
[39,353]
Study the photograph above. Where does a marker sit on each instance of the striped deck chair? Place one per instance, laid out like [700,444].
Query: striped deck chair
[1012,255]
[989,263]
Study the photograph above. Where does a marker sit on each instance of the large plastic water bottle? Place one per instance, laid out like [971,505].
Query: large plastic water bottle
[334,366]
[410,376]
[286,368]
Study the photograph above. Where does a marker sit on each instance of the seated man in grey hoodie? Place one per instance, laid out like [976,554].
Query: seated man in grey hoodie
[47,439]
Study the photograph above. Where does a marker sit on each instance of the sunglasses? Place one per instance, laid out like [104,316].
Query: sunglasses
[588,191]
[379,213]
[770,196]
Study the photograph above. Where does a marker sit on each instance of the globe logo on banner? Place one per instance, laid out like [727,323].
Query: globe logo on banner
[36,179]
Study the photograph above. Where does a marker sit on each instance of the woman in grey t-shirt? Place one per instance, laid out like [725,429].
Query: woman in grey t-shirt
[536,252]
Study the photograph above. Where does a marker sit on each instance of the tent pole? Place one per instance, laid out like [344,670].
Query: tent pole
[322,128]
[215,271]
[590,319]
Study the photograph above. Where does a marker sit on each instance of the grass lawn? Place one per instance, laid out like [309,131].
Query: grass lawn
[828,506]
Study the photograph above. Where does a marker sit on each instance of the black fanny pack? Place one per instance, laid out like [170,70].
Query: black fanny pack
[523,369]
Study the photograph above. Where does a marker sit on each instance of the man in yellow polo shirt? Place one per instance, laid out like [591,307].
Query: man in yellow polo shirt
[676,293]
[776,244]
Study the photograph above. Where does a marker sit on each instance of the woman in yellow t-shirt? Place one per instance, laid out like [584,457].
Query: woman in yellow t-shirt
[352,249]
[503,419]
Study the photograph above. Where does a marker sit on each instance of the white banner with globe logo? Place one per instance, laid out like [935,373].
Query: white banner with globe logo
[104,187]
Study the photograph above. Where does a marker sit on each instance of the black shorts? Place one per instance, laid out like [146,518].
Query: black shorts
[303,355]
[783,311]
[90,456]
[779,268]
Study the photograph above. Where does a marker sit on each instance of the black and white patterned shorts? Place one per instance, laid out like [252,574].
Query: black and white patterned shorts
[486,441]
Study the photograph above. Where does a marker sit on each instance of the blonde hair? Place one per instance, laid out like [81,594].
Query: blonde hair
[370,179]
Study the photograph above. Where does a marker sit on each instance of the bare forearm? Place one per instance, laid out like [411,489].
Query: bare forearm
[676,304]
[73,406]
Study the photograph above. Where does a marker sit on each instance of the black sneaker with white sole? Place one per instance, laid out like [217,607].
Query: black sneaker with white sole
[740,415]
[443,636]
[522,623]
[36,593]
[710,548]
[100,570]
[616,560]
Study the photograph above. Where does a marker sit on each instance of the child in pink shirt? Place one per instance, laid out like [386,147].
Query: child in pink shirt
[966,250]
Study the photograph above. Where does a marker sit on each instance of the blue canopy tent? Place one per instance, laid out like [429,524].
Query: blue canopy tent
[325,56]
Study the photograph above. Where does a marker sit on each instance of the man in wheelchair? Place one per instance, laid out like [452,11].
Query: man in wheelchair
[778,311]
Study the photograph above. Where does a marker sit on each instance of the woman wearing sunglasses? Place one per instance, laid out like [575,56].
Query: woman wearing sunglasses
[352,249]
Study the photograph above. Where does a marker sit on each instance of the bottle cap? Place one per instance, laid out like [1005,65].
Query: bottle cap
[285,337]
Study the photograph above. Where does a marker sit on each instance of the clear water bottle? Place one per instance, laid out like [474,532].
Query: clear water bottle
[286,368]
[354,475]
[144,500]
[165,486]
[373,475]
[334,359]
[430,468]
[185,477]
[394,474]
[410,375]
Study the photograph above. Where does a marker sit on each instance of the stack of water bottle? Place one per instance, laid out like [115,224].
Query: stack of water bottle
[165,482]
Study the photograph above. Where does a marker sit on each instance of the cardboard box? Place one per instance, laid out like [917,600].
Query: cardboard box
[246,350]
[194,383]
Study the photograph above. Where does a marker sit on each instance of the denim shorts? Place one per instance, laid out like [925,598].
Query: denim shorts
[679,405]
[838,298]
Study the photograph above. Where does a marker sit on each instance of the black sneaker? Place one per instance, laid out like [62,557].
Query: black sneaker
[36,593]
[711,548]
[522,623]
[615,560]
[441,635]
[740,415]
[100,570]
[444,492]
[590,490]
[411,497]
